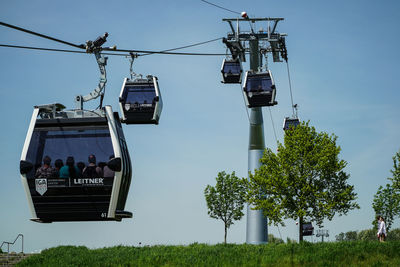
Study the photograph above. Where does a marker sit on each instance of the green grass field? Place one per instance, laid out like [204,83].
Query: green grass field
[305,254]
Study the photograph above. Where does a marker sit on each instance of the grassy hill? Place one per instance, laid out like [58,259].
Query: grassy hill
[305,254]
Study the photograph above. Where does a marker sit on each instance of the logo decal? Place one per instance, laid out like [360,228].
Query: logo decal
[89,181]
[41,186]
[127,106]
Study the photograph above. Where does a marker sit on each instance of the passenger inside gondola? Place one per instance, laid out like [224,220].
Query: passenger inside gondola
[59,143]
[46,171]
[58,164]
[92,170]
[232,68]
[102,164]
[259,84]
[81,165]
[107,172]
[70,170]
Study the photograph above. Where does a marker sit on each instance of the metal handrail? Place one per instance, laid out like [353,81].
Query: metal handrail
[12,243]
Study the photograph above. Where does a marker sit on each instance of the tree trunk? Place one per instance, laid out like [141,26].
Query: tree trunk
[300,229]
[226,229]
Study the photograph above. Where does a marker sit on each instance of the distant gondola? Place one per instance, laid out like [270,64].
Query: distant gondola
[60,134]
[308,229]
[290,123]
[231,71]
[259,89]
[140,101]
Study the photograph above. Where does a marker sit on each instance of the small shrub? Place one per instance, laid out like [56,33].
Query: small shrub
[351,236]
[393,235]
[274,240]
[340,237]
[291,241]
[367,235]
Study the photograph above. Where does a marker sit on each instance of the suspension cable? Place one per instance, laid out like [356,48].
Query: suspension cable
[235,12]
[186,46]
[290,87]
[244,100]
[220,7]
[273,125]
[114,54]
[41,35]
[82,46]
[162,52]
[56,50]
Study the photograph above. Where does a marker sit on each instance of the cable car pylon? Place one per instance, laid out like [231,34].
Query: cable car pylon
[259,90]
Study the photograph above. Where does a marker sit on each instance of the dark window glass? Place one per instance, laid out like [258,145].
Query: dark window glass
[61,143]
[259,83]
[231,67]
[140,94]
[291,123]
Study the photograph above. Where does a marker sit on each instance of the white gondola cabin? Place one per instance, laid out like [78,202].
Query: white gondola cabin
[289,123]
[231,71]
[56,134]
[259,89]
[140,101]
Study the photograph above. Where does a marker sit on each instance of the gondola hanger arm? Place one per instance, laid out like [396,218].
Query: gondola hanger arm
[99,90]
[132,57]
[95,48]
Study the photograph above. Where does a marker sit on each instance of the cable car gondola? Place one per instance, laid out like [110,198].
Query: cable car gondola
[56,133]
[231,71]
[290,123]
[140,101]
[308,229]
[259,89]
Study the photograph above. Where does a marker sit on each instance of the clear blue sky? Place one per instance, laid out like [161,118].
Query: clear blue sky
[344,61]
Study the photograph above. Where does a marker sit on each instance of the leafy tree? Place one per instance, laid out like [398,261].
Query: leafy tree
[396,179]
[386,204]
[304,180]
[387,200]
[226,200]
[396,171]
